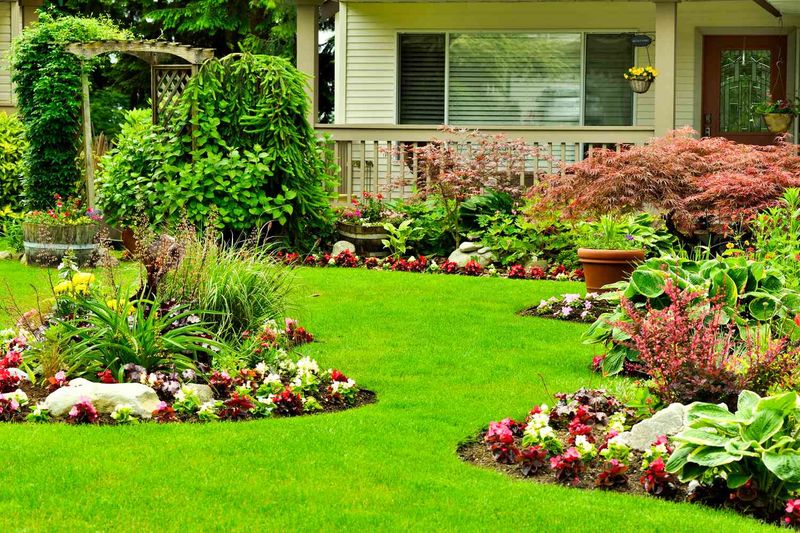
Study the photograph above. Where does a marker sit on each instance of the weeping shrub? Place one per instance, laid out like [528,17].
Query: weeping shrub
[255,157]
[48,85]
[12,148]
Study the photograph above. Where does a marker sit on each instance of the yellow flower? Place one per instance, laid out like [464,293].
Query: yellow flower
[729,246]
[64,286]
[114,305]
[83,278]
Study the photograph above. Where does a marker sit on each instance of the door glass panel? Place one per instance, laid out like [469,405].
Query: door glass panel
[745,82]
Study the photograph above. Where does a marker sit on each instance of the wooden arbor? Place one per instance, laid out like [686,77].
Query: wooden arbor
[168,79]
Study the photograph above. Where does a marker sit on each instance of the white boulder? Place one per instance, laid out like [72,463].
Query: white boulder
[341,246]
[104,396]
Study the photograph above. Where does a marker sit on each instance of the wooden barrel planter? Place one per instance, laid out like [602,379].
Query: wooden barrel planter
[46,244]
[603,267]
[366,239]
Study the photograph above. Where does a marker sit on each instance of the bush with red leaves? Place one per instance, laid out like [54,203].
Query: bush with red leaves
[568,466]
[532,460]
[449,267]
[657,481]
[164,413]
[690,178]
[537,273]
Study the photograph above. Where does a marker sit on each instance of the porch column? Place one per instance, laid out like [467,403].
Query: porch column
[308,51]
[666,43]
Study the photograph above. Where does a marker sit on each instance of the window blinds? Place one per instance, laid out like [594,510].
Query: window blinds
[515,79]
[422,67]
[608,97]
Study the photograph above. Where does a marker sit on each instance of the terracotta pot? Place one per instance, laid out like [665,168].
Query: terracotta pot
[46,244]
[603,267]
[778,122]
[367,239]
[129,240]
[640,86]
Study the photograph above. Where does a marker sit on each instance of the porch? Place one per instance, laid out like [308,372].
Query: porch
[370,123]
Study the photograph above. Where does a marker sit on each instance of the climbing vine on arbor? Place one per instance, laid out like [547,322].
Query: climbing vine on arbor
[255,157]
[48,85]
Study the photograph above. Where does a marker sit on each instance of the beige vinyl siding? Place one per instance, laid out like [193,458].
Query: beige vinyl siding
[5,41]
[369,72]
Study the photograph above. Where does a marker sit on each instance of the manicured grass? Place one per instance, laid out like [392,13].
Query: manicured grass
[445,355]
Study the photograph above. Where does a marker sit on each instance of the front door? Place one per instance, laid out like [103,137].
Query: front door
[740,71]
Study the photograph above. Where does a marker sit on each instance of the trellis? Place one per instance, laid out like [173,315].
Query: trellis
[167,81]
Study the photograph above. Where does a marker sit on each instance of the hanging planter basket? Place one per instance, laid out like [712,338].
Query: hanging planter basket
[640,86]
[778,122]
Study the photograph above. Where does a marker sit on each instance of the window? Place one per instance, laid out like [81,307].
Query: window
[540,79]
[422,66]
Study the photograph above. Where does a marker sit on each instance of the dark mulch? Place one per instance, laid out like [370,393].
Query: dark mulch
[473,450]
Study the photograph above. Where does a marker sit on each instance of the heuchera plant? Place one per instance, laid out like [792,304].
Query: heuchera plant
[237,407]
[532,460]
[656,480]
[164,413]
[9,381]
[288,403]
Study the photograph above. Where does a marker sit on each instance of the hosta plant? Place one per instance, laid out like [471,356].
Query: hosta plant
[757,446]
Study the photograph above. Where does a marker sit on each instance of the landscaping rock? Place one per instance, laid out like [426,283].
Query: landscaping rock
[668,421]
[460,257]
[484,250]
[104,396]
[341,246]
[204,392]
[468,247]
[5,255]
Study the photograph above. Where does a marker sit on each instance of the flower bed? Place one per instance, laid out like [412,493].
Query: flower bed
[347,259]
[582,442]
[572,307]
[277,386]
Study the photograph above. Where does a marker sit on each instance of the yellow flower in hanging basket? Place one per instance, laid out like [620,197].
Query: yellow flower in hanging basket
[647,73]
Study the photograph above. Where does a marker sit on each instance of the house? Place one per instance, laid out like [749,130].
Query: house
[550,72]
[14,15]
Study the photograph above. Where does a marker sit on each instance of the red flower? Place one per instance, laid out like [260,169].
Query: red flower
[338,376]
[106,376]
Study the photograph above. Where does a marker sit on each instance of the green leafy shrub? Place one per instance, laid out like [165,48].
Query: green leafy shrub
[776,236]
[642,231]
[255,158]
[758,445]
[754,297]
[12,148]
[48,85]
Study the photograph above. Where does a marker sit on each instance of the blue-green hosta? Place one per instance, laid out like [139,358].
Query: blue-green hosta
[755,298]
[757,444]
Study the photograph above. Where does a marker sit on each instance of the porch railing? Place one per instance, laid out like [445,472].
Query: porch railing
[380,158]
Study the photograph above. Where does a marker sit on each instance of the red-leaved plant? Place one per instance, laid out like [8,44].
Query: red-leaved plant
[568,466]
[532,460]
[657,481]
[9,381]
[613,475]
[83,412]
[237,407]
[691,354]
[711,180]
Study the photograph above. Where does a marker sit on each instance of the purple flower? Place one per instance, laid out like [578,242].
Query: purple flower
[566,310]
[628,237]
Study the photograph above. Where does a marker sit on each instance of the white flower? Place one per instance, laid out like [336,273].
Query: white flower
[584,447]
[306,365]
[18,396]
[272,378]
[262,368]
[210,407]
[337,386]
[569,298]
[662,449]
[539,420]
[331,261]
[546,432]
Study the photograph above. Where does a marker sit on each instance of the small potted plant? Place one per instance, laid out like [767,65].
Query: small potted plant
[777,114]
[641,78]
[362,223]
[49,235]
[608,252]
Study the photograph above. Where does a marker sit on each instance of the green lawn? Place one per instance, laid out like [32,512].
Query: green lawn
[445,354]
